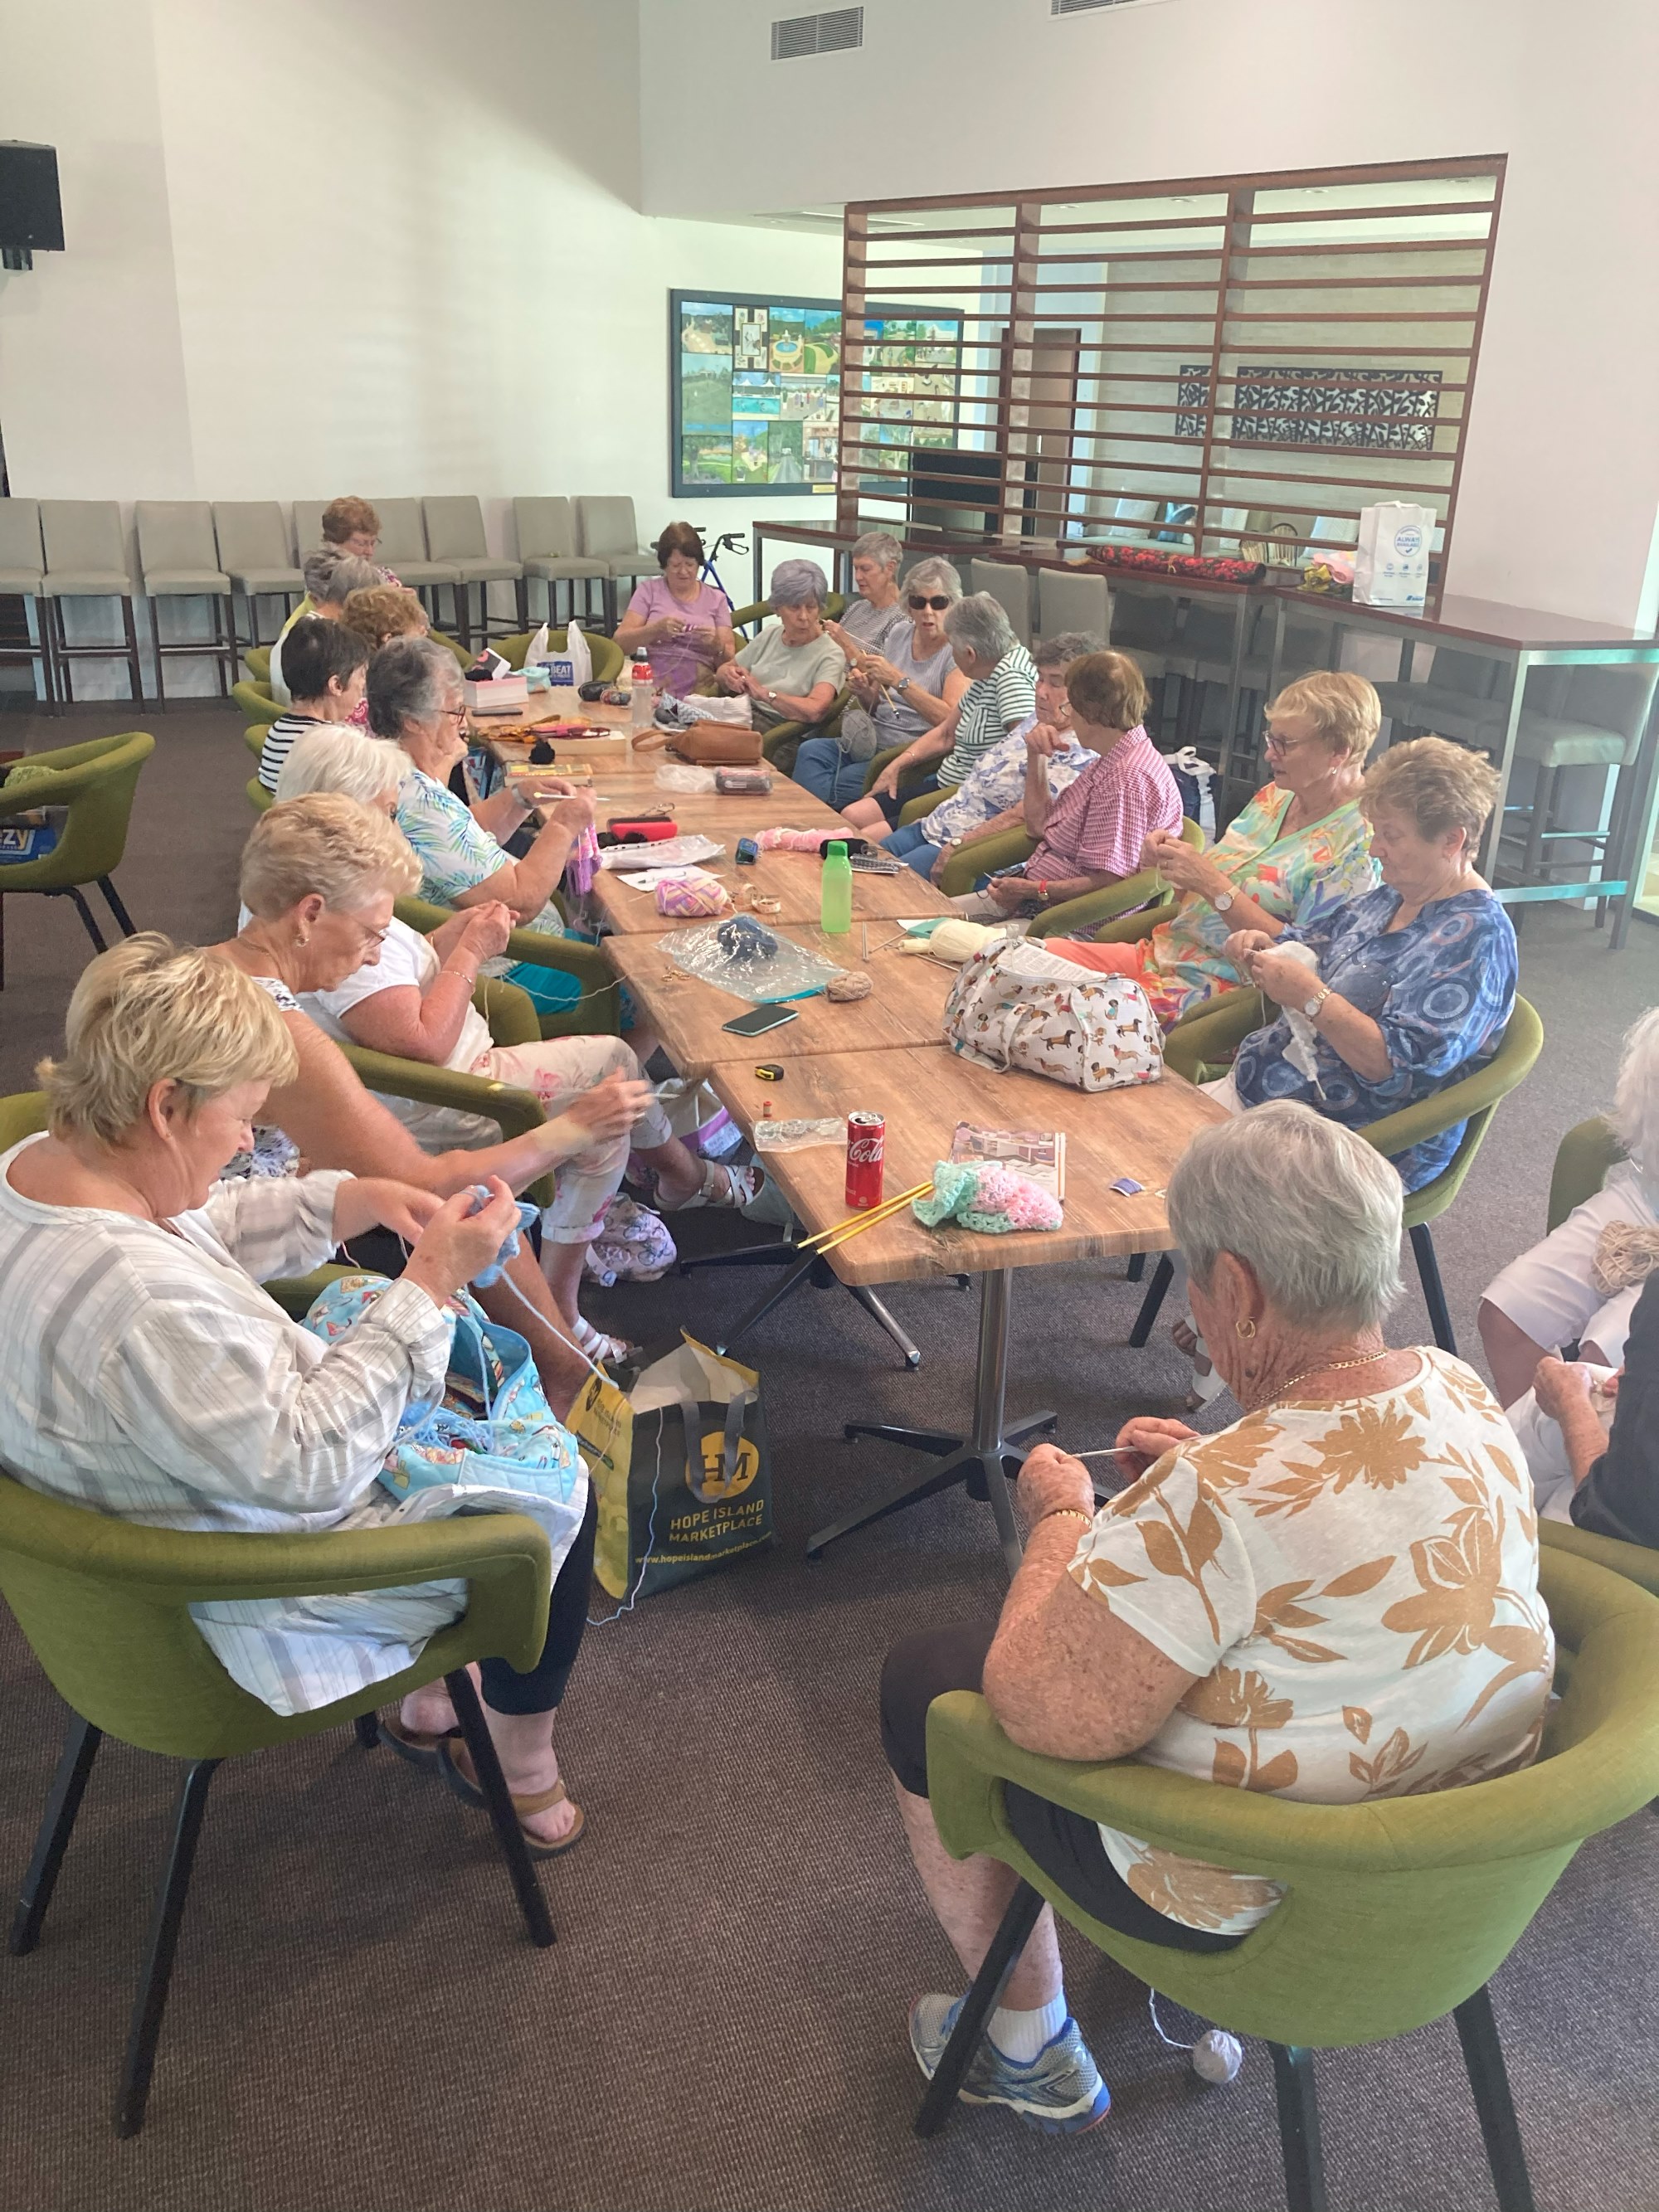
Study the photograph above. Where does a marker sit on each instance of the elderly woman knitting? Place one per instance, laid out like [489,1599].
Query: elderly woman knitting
[1379,1487]
[1001,694]
[1581,1284]
[151,1378]
[902,687]
[793,671]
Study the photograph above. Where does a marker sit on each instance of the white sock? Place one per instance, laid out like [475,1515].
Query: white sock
[1021,2035]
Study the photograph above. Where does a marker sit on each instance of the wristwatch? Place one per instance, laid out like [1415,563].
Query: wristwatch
[1311,1010]
[773,698]
[902,686]
[1223,901]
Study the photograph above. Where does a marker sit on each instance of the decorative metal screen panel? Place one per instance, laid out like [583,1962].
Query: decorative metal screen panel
[1191,363]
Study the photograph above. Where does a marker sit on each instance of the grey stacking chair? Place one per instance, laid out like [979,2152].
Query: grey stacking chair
[1073,599]
[455,533]
[22,564]
[179,558]
[307,526]
[1009,583]
[1457,700]
[255,554]
[606,530]
[87,559]
[403,550]
[547,550]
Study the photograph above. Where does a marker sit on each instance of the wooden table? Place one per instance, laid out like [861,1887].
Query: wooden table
[906,1008]
[792,879]
[924,1092]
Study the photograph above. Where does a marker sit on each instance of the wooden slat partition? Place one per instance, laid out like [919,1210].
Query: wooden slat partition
[1271,353]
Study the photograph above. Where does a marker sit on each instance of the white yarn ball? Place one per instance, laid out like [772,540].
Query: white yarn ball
[1217,2056]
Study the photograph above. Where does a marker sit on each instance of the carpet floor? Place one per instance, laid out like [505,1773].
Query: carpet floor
[357,2022]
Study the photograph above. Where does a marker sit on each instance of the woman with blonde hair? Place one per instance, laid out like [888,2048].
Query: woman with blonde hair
[317,881]
[1295,853]
[378,611]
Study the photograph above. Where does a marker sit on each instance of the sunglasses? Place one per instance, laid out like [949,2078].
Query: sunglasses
[938,605]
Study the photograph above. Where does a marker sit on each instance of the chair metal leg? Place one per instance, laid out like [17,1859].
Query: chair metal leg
[368,1726]
[73,890]
[1136,1269]
[57,1823]
[980,2002]
[1156,1291]
[1483,2054]
[1298,2128]
[509,1834]
[150,2003]
[155,641]
[112,900]
[1434,1294]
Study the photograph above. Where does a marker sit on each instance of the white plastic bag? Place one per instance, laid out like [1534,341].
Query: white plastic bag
[1391,564]
[537,649]
[578,654]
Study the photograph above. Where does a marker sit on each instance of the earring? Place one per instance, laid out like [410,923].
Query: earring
[1245,1328]
[304,937]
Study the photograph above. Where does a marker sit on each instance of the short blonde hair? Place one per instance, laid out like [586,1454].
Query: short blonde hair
[1441,787]
[1344,710]
[151,1010]
[384,611]
[340,758]
[325,844]
[1107,690]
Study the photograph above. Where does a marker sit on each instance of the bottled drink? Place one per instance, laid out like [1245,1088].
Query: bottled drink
[835,892]
[644,690]
[866,1141]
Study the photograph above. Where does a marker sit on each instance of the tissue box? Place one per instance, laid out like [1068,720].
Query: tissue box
[505,695]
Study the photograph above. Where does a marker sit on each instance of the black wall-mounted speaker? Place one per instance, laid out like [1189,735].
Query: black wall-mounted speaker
[31,213]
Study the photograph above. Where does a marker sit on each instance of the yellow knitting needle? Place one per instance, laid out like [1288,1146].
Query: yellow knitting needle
[855,1222]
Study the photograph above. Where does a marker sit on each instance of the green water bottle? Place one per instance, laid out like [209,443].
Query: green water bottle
[836,911]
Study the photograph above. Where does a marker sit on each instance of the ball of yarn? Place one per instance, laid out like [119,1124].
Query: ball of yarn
[677,895]
[843,989]
[1217,2056]
[955,941]
[744,939]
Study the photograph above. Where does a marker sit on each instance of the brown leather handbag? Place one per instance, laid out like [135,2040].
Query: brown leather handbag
[706,744]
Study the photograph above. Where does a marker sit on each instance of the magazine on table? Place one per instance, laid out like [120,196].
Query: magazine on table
[1039,1153]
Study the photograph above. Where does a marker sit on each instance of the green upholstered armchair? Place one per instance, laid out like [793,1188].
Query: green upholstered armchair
[95,782]
[1397,1910]
[257,701]
[607,655]
[258,660]
[1124,912]
[597,1012]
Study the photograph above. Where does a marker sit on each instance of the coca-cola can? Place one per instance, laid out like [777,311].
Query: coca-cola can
[866,1141]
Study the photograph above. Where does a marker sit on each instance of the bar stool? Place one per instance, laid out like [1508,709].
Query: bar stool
[1073,599]
[87,559]
[547,550]
[1009,583]
[255,554]
[179,558]
[22,562]
[455,533]
[606,532]
[1599,718]
[402,548]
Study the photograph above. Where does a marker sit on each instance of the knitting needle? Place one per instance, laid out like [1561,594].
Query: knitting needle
[855,1222]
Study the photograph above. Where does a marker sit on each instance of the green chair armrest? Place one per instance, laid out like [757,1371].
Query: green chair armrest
[908,781]
[297,1294]
[254,738]
[779,745]
[510,1013]
[1475,1095]
[256,701]
[1582,1160]
[597,1013]
[1637,1563]
[61,758]
[258,797]
[517,1111]
[1213,1031]
[1119,915]
[257,658]
[963,869]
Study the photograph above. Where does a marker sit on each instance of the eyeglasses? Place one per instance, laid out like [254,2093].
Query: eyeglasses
[455,714]
[937,604]
[1272,743]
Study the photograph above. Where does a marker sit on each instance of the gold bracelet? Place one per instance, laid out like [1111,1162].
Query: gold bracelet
[1060,1512]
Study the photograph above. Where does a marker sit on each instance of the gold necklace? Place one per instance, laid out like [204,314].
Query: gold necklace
[1325,1367]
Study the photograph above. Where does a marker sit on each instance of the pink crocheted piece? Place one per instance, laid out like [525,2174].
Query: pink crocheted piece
[1026,1204]
[791,841]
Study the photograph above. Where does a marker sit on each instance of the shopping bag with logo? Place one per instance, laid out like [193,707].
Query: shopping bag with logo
[1017,1004]
[680,1463]
[1391,563]
[491,1445]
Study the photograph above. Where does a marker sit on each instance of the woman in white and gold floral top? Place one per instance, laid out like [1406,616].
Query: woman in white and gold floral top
[1335,1599]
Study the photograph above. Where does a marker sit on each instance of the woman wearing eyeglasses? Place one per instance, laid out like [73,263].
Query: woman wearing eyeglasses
[898,695]
[1299,850]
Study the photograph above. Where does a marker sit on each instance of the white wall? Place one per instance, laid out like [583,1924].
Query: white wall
[377,245]
[1560,485]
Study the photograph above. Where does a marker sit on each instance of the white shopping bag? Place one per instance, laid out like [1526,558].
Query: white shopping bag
[1391,563]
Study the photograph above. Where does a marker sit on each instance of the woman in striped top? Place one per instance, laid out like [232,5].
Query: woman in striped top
[151,1378]
[328,665]
[1001,694]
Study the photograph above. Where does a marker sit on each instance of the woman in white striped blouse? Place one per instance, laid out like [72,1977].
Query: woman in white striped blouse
[149,1377]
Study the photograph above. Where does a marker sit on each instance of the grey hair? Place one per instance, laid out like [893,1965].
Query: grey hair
[331,575]
[1309,1206]
[933,574]
[1636,1101]
[409,680]
[799,584]
[1066,646]
[878,545]
[342,759]
[981,623]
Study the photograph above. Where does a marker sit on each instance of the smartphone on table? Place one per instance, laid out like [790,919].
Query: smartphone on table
[758,1020]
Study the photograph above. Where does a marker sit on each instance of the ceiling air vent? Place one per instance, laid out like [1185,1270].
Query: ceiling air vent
[1083,7]
[837,31]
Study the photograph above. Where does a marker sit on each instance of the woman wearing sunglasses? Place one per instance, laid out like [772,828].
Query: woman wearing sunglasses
[897,695]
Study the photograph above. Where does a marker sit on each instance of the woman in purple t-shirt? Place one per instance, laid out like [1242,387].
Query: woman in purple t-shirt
[684,625]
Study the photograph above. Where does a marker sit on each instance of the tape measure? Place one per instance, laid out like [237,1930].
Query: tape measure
[769,1071]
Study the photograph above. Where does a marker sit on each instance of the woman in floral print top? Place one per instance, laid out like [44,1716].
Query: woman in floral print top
[1299,850]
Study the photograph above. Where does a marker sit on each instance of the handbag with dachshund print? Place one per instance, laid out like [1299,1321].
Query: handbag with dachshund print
[1017,1004]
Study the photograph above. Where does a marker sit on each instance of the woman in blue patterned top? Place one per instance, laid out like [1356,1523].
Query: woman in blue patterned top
[1415,981]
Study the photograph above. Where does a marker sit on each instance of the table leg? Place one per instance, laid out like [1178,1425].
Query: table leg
[1488,856]
[982,1460]
[808,1266]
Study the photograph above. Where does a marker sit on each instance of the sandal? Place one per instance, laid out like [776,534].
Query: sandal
[600,1348]
[726,1187]
[465,1785]
[418,1746]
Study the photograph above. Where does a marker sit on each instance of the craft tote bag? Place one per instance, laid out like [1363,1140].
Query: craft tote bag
[1017,1004]
[680,1463]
